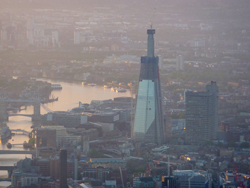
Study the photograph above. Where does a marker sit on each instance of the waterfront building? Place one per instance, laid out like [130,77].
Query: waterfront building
[45,137]
[67,119]
[202,114]
[60,132]
[25,174]
[149,123]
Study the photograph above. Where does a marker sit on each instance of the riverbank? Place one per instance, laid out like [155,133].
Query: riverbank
[124,85]
[68,98]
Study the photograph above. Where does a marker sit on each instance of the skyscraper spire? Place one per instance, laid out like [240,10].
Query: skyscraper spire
[151,45]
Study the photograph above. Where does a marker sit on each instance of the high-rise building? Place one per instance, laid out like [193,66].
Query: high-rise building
[149,123]
[202,114]
[63,169]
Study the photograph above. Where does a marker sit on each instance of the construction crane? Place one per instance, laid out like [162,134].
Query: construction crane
[164,162]
[131,111]
[121,176]
[241,183]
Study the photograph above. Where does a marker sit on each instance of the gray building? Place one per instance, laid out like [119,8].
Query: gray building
[202,114]
[67,119]
[25,174]
[192,178]
[149,122]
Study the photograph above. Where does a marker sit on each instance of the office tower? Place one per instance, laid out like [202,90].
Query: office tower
[149,124]
[202,114]
[63,169]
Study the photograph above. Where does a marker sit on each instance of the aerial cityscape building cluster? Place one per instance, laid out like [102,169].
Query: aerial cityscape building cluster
[151,94]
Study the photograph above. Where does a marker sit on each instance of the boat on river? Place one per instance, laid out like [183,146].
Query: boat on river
[114,89]
[26,145]
[120,90]
[9,145]
[56,86]
[49,100]
[106,86]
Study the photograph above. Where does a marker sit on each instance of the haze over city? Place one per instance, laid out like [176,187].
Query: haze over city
[125,93]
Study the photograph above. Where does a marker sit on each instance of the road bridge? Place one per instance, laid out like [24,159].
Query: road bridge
[9,169]
[5,179]
[26,115]
[2,152]
[4,116]
[20,131]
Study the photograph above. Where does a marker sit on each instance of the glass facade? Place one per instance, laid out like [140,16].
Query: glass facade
[145,108]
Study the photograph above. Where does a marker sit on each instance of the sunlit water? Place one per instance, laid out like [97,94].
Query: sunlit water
[68,98]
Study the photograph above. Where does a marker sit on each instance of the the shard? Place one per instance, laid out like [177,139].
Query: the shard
[149,122]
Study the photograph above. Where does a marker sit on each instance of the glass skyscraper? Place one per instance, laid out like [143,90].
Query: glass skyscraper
[149,123]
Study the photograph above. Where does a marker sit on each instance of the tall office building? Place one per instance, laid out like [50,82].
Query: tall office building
[63,169]
[202,114]
[149,123]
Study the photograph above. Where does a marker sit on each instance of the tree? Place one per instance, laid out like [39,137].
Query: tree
[231,144]
[95,154]
[220,144]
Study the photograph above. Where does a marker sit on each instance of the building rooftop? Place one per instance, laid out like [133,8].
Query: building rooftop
[106,160]
[189,173]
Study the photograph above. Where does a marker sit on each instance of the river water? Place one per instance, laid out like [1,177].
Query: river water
[68,98]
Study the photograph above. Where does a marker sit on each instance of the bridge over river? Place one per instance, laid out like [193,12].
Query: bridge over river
[2,152]
[26,115]
[20,131]
[9,169]
[36,102]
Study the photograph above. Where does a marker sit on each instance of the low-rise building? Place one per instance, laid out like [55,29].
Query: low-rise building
[114,163]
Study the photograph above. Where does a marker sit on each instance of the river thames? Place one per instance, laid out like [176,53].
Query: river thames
[68,98]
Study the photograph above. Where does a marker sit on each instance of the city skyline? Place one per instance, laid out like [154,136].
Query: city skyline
[69,73]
